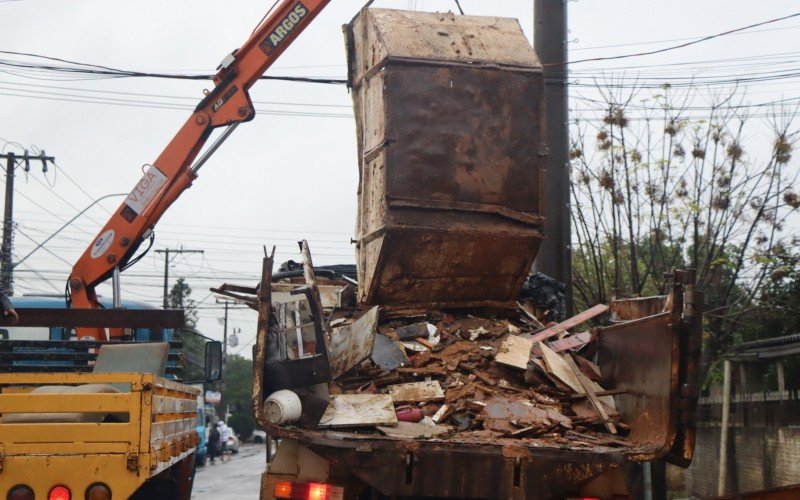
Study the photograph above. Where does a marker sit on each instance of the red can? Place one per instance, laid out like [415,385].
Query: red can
[408,413]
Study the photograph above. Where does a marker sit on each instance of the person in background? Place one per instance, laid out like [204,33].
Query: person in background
[8,308]
[214,444]
[224,434]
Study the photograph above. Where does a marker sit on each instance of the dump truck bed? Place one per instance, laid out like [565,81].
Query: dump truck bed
[650,353]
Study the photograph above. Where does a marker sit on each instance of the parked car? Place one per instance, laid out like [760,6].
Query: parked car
[233,442]
[259,436]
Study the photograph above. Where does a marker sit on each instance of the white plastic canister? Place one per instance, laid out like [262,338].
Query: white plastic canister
[283,407]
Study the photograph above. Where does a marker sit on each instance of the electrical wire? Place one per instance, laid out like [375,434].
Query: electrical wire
[96,69]
[682,45]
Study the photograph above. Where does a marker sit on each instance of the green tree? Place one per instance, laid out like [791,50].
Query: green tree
[193,349]
[180,298]
[237,394]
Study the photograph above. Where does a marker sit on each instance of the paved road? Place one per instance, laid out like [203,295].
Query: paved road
[238,479]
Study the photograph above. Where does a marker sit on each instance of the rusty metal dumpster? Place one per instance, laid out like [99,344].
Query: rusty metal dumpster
[449,111]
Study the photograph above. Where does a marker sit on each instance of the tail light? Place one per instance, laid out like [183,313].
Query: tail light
[98,491]
[20,492]
[59,493]
[307,491]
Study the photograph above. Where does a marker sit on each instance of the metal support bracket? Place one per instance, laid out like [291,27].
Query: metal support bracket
[133,458]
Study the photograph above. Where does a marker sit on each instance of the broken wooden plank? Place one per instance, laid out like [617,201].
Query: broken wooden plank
[585,411]
[559,368]
[440,413]
[571,342]
[526,309]
[426,343]
[474,370]
[591,370]
[416,392]
[359,410]
[423,372]
[515,351]
[410,430]
[610,392]
[570,323]
[587,387]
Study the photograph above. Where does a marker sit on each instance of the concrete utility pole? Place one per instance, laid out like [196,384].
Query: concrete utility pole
[550,43]
[166,253]
[6,266]
[8,227]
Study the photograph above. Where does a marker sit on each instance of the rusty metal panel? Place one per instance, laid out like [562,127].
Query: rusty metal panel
[641,356]
[636,308]
[449,117]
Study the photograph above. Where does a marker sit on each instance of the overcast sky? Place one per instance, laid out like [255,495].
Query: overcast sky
[292,172]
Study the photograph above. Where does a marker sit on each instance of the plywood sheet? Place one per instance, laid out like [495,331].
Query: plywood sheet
[515,352]
[359,410]
[561,370]
[416,392]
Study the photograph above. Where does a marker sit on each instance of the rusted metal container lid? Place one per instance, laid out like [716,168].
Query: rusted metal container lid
[447,37]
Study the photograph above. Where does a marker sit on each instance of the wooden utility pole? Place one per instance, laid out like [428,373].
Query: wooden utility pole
[166,253]
[550,43]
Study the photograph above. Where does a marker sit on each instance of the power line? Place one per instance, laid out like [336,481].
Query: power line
[653,42]
[96,69]
[162,96]
[686,44]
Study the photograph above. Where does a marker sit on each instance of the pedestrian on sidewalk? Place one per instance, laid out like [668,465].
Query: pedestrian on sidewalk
[224,434]
[214,444]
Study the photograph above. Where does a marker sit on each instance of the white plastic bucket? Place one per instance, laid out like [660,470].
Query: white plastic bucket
[282,407]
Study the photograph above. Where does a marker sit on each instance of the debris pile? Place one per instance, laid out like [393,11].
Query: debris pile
[475,379]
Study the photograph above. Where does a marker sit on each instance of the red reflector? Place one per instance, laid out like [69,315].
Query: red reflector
[60,493]
[282,489]
[317,491]
[20,492]
[307,491]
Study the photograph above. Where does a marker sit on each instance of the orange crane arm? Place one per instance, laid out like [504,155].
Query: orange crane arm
[227,105]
